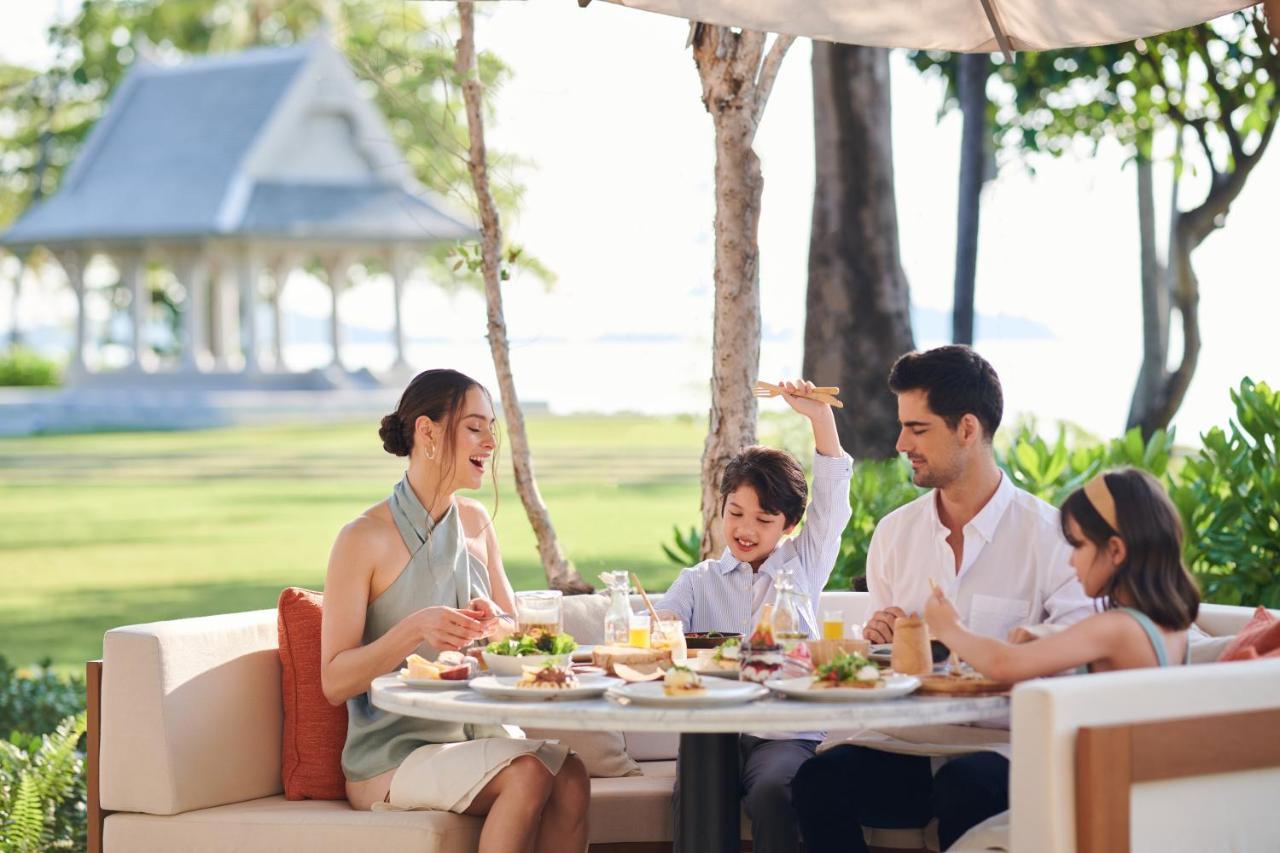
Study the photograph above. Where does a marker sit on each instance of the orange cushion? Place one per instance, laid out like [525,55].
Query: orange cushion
[1260,638]
[314,730]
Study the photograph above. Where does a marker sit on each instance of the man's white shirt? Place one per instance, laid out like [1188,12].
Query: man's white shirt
[1015,568]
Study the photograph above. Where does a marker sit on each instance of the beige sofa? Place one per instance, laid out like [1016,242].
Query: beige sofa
[184,750]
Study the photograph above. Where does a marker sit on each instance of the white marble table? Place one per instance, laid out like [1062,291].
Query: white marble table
[774,714]
[708,736]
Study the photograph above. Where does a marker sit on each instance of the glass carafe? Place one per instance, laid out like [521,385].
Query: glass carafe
[793,619]
[617,619]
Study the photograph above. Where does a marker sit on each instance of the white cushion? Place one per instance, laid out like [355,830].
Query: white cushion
[191,713]
[1220,620]
[1048,712]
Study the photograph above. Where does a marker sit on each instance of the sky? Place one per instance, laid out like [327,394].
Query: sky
[605,106]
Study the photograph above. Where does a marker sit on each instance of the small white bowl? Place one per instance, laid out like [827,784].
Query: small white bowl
[515,664]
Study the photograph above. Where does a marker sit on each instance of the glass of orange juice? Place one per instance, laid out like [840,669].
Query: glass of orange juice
[639,633]
[832,625]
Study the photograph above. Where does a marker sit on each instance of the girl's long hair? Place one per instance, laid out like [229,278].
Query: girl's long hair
[1152,577]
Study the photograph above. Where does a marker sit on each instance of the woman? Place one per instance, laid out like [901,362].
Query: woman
[421,572]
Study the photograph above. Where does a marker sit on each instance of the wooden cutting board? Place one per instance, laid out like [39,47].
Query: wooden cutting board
[606,656]
[951,685]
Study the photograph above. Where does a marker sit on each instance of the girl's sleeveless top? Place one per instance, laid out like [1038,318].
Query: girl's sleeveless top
[1153,635]
[440,571]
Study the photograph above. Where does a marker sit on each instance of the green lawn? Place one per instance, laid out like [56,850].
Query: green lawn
[118,528]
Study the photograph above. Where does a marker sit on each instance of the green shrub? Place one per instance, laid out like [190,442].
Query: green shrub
[686,550]
[877,489]
[21,366]
[1229,498]
[35,700]
[42,787]
[42,790]
[1053,471]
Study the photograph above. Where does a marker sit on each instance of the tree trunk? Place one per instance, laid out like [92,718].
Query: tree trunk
[560,573]
[858,318]
[971,84]
[1190,229]
[1155,301]
[736,79]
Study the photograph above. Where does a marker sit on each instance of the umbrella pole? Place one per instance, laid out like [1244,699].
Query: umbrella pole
[997,28]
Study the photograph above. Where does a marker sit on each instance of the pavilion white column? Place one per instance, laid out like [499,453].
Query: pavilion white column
[400,266]
[193,271]
[248,267]
[280,272]
[214,320]
[335,267]
[132,274]
[73,263]
[224,331]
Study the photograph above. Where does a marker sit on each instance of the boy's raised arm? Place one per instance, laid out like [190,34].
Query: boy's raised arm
[829,510]
[825,438]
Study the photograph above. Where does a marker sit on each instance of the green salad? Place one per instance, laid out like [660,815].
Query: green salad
[733,643]
[543,644]
[847,670]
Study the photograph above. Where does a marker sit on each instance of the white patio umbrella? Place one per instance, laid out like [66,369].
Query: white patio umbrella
[971,26]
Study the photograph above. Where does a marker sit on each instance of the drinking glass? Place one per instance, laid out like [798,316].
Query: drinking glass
[669,634]
[833,624]
[640,629]
[539,612]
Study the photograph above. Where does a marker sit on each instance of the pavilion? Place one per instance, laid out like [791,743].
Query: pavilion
[234,171]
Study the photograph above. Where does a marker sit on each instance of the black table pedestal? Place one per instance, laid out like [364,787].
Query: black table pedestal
[709,804]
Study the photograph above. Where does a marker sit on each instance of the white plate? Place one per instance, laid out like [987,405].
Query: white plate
[718,692]
[431,683]
[504,687]
[881,652]
[798,688]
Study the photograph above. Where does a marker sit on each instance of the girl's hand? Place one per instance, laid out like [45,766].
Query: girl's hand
[791,392]
[940,615]
[447,627]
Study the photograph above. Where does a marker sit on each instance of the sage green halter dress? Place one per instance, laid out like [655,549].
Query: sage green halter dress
[441,571]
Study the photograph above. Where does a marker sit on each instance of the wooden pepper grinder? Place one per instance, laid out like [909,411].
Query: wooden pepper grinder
[911,654]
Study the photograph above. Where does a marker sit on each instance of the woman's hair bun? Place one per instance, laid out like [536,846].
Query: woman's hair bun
[393,438]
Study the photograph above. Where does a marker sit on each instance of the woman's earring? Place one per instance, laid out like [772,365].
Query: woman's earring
[431,453]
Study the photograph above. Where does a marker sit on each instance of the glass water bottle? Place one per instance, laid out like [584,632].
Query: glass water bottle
[617,619]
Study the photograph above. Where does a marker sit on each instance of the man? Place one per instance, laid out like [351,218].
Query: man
[999,555]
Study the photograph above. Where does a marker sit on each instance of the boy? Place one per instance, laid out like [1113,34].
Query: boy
[763,497]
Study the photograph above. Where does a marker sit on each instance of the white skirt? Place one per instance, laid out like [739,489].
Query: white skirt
[448,776]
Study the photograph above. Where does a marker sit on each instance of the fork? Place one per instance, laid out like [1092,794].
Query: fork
[823,394]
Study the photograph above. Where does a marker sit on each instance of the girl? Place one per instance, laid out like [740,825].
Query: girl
[1127,541]
[421,572]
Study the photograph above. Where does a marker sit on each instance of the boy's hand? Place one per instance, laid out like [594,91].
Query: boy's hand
[825,438]
[792,391]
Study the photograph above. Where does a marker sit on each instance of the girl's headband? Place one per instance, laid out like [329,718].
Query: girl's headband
[1100,497]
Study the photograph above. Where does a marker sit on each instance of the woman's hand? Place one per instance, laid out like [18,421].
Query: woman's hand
[447,627]
[940,615]
[485,612]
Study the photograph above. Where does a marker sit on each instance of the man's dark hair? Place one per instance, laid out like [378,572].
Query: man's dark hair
[956,382]
[775,475]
